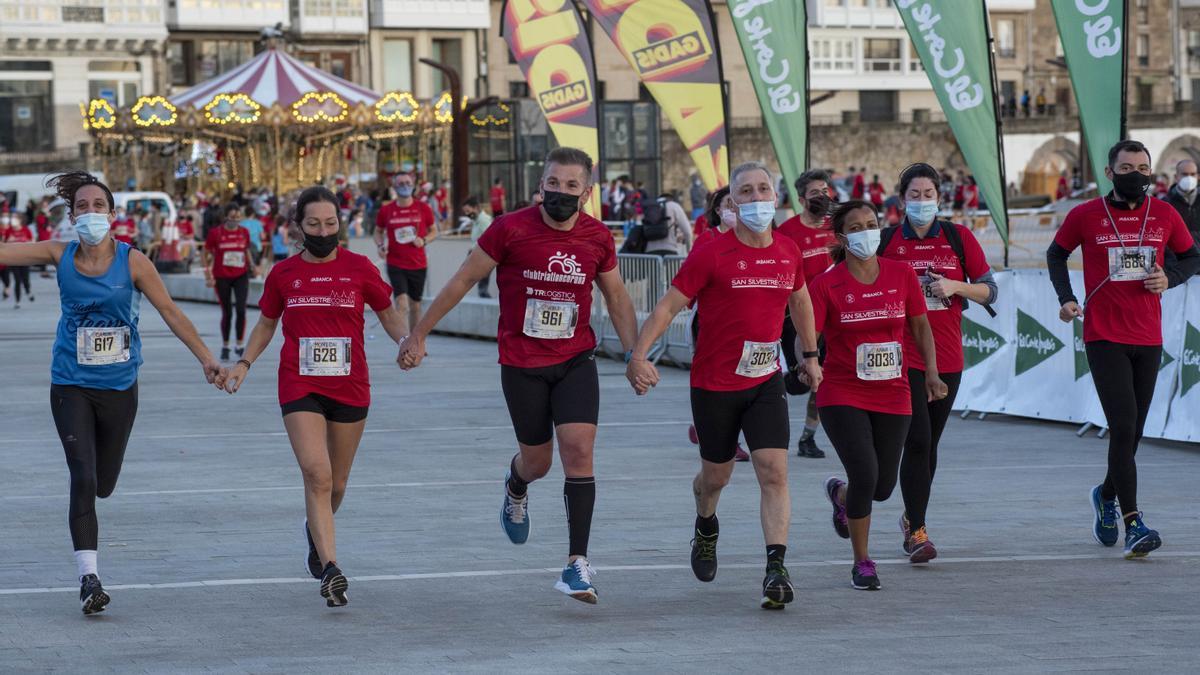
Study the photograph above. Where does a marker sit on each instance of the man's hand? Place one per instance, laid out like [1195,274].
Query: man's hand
[642,375]
[419,242]
[208,279]
[813,374]
[412,352]
[1070,311]
[212,370]
[1157,282]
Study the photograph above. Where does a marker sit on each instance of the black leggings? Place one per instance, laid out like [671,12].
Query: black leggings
[94,427]
[20,277]
[920,448]
[868,443]
[227,291]
[1125,376]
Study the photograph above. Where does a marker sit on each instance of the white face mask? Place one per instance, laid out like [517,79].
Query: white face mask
[757,216]
[1187,183]
[92,228]
[863,243]
[728,217]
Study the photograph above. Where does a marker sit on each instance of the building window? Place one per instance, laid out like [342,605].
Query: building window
[214,57]
[179,57]
[1143,12]
[1193,49]
[398,68]
[1005,41]
[518,90]
[631,143]
[878,106]
[447,51]
[26,113]
[914,59]
[1143,50]
[833,55]
[881,55]
[1145,96]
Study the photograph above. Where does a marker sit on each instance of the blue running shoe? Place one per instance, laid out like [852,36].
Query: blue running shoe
[1104,529]
[1139,539]
[514,515]
[576,581]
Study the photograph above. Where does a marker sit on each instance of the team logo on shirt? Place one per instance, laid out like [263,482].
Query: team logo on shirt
[892,310]
[849,298]
[296,283]
[562,268]
[901,249]
[742,265]
[331,299]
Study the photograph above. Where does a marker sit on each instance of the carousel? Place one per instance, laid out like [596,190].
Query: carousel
[271,122]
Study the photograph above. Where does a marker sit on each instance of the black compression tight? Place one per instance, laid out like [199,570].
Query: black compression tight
[94,427]
[1125,376]
[921,447]
[868,443]
[230,291]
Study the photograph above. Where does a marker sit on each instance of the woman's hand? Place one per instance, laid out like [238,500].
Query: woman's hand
[236,376]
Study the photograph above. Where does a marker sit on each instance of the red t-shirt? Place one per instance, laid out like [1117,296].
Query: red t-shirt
[322,306]
[187,230]
[859,184]
[876,192]
[18,234]
[934,252]
[1122,310]
[124,230]
[439,196]
[971,196]
[228,250]
[709,235]
[744,292]
[700,226]
[545,277]
[402,225]
[814,244]
[854,318]
[497,199]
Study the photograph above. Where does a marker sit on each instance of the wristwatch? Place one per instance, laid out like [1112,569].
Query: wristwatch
[811,355]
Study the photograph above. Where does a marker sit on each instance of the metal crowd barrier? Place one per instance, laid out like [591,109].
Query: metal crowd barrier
[646,279]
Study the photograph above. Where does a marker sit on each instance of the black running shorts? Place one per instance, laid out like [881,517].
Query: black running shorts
[760,413]
[331,410]
[407,282]
[540,399]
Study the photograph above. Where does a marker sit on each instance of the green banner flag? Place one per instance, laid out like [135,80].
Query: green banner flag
[774,38]
[1093,42]
[951,37]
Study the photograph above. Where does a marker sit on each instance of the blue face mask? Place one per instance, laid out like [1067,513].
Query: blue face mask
[921,213]
[92,228]
[757,216]
[863,244]
[404,191]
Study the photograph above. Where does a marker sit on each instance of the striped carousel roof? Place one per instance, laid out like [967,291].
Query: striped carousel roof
[273,77]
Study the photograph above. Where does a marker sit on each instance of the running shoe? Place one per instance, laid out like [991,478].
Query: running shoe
[918,547]
[239,352]
[840,524]
[807,447]
[740,454]
[514,515]
[1104,528]
[312,561]
[576,581]
[334,586]
[704,556]
[1139,539]
[777,587]
[224,353]
[91,594]
[692,435]
[864,577]
[905,532]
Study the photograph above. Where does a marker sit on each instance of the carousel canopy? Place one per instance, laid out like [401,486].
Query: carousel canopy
[275,77]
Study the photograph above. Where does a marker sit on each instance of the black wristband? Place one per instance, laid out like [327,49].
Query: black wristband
[811,355]
[247,363]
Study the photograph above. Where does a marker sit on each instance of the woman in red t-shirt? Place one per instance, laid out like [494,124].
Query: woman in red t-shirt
[324,387]
[17,233]
[863,306]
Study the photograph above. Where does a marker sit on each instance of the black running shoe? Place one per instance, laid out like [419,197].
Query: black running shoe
[704,556]
[807,447]
[333,586]
[92,595]
[777,587]
[239,351]
[224,353]
[312,562]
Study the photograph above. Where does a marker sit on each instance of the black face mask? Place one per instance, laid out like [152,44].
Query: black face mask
[320,247]
[1131,186]
[819,206]
[560,206]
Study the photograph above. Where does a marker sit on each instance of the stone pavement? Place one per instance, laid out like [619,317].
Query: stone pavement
[201,544]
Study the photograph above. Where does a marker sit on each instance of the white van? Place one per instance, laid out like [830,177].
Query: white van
[133,201]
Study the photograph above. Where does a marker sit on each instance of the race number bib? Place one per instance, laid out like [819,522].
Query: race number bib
[325,357]
[102,346]
[758,359]
[550,320]
[879,361]
[406,235]
[932,302]
[234,259]
[1131,264]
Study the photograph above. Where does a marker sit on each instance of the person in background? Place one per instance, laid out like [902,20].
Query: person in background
[1062,191]
[858,183]
[1041,102]
[123,228]
[281,239]
[254,225]
[480,222]
[876,193]
[146,234]
[187,235]
[497,198]
[441,197]
[699,196]
[1182,196]
[1025,102]
[679,229]
[971,200]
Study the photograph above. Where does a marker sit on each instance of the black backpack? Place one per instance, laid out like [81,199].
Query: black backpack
[656,224]
[952,238]
[635,241]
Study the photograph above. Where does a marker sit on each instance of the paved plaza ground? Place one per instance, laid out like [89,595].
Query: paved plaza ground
[201,545]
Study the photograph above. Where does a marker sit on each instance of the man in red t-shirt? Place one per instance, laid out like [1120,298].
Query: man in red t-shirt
[743,279]
[403,228]
[497,198]
[1123,236]
[547,259]
[876,193]
[858,183]
[123,227]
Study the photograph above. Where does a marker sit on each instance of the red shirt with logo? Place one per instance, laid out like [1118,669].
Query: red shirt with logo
[814,243]
[1122,310]
[545,281]
[935,253]
[124,229]
[187,230]
[322,306]
[743,291]
[402,225]
[864,327]
[18,234]
[228,250]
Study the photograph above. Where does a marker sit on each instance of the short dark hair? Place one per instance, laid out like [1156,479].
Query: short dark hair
[66,185]
[811,176]
[232,207]
[567,156]
[840,213]
[915,171]
[1125,146]
[313,195]
[471,201]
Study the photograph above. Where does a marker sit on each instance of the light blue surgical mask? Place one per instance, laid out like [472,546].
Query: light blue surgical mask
[921,213]
[404,191]
[863,243]
[757,216]
[92,228]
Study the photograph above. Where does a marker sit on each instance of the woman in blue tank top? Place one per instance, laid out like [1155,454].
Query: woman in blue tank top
[97,352]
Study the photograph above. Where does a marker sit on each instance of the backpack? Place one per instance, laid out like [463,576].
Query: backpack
[656,224]
[952,237]
[635,241]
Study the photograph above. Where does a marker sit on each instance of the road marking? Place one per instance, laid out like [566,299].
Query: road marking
[420,576]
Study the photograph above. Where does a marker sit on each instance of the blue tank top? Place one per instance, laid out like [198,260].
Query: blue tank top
[277,244]
[97,345]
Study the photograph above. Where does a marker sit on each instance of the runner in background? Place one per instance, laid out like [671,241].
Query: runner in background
[228,254]
[124,228]
[403,228]
[17,233]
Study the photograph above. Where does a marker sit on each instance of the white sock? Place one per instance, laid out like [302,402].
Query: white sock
[86,560]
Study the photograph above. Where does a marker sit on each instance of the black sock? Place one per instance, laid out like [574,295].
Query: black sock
[579,495]
[1129,518]
[707,526]
[775,553]
[516,485]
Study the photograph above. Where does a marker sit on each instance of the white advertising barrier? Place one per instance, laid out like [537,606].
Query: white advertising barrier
[1183,418]
[988,351]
